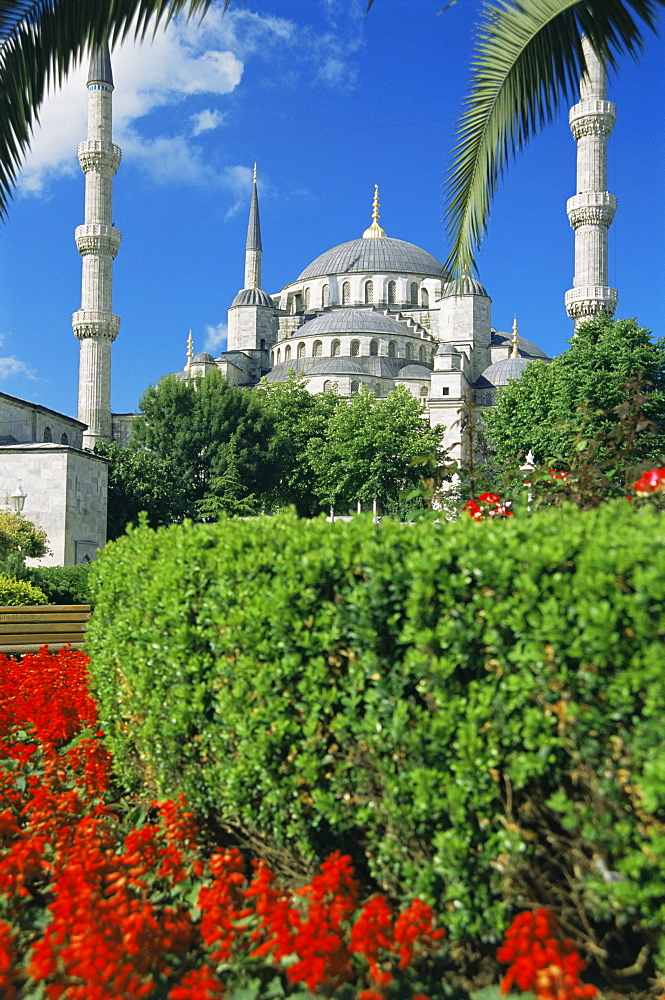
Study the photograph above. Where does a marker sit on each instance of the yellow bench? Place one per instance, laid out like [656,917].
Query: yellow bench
[27,629]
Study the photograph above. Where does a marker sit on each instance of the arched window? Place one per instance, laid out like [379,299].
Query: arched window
[414,293]
[392,292]
[335,349]
[421,352]
[307,298]
[346,293]
[369,291]
[263,345]
[287,352]
[377,388]
[279,354]
[355,348]
[392,353]
[301,350]
[327,386]
[424,298]
[325,295]
[64,439]
[354,387]
[374,347]
[317,349]
[47,434]
[407,352]
[424,390]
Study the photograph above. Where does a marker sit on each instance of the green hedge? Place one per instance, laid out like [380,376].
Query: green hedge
[14,593]
[474,710]
[63,584]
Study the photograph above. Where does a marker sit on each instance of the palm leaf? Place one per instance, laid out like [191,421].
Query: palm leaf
[528,59]
[41,40]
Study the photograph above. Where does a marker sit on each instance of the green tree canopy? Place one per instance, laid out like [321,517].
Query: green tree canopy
[20,539]
[192,424]
[540,412]
[366,451]
[140,480]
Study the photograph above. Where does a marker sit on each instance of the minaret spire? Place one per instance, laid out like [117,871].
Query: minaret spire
[514,352]
[97,240]
[592,209]
[375,229]
[253,247]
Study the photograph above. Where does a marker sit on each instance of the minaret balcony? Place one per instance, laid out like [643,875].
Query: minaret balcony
[99,154]
[586,301]
[592,118]
[97,238]
[591,208]
[89,323]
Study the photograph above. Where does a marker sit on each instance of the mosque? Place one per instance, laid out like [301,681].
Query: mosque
[375,312]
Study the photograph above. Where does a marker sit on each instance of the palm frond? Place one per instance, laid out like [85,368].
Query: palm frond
[528,59]
[40,42]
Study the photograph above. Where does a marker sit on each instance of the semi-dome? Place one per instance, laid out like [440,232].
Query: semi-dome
[253,297]
[381,255]
[203,359]
[505,371]
[414,371]
[466,285]
[352,321]
[337,366]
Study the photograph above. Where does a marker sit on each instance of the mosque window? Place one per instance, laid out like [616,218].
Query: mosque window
[346,293]
[414,293]
[421,353]
[369,291]
[374,347]
[325,295]
[317,349]
[407,352]
[424,298]
[64,439]
[355,348]
[263,345]
[307,298]
[301,350]
[392,352]
[335,349]
[392,292]
[327,386]
[279,354]
[445,391]
[377,389]
[423,390]
[355,386]
[47,434]
[287,352]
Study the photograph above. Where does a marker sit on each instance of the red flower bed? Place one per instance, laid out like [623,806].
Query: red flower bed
[94,908]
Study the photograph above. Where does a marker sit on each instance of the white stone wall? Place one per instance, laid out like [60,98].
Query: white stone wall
[66,495]
[249,325]
[29,422]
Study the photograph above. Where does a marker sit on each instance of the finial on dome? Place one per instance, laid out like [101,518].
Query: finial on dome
[254,173]
[513,353]
[375,229]
[190,350]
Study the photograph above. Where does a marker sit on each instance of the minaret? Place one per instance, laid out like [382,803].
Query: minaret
[592,209]
[253,248]
[97,241]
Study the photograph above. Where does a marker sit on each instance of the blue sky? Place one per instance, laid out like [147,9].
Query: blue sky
[328,102]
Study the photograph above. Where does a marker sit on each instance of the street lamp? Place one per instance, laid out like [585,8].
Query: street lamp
[18,499]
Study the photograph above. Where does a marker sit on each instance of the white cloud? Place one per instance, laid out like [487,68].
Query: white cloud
[14,366]
[206,120]
[216,338]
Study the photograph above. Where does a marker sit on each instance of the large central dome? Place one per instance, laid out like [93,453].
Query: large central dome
[381,255]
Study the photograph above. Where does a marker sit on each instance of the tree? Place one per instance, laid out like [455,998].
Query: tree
[528,59]
[227,494]
[367,449]
[20,539]
[192,423]
[141,481]
[298,417]
[544,410]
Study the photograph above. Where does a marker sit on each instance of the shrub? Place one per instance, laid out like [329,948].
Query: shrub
[17,592]
[63,584]
[471,709]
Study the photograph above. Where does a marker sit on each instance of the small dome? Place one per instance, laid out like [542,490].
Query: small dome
[414,371]
[337,366]
[352,321]
[505,371]
[466,285]
[253,297]
[203,359]
[524,346]
[448,349]
[382,255]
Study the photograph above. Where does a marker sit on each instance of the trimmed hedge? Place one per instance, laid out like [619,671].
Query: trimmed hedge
[474,709]
[63,584]
[15,593]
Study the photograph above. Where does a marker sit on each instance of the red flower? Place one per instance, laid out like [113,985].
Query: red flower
[652,481]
